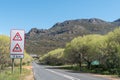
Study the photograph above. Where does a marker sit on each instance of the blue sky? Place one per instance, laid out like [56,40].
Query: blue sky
[43,14]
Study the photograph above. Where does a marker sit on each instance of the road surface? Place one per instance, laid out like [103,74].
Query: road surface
[42,72]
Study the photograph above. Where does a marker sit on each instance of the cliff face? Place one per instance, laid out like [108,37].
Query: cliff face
[39,41]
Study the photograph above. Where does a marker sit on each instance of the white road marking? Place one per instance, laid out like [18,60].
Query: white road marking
[66,76]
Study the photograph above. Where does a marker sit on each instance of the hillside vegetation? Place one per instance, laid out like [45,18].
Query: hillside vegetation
[86,50]
[39,41]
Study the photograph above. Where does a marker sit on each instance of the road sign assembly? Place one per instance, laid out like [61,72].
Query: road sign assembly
[17,43]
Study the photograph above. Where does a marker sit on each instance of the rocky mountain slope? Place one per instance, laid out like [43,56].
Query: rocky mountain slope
[39,41]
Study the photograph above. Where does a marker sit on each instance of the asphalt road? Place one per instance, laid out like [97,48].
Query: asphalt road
[50,73]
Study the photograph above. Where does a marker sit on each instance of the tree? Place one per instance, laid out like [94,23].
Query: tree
[72,51]
[114,36]
[112,49]
[92,51]
[83,49]
[54,57]
[4,51]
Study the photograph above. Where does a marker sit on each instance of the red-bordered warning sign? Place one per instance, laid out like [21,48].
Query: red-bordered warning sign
[17,37]
[17,48]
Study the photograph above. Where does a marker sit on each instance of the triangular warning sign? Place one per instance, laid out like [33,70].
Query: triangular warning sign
[17,48]
[17,37]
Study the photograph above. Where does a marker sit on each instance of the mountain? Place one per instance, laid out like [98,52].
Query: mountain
[40,41]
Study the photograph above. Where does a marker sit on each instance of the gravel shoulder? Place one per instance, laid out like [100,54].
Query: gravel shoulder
[30,76]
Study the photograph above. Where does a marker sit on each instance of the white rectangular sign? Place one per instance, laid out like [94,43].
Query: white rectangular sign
[17,43]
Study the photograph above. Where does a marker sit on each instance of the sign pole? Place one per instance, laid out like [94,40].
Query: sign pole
[20,65]
[12,65]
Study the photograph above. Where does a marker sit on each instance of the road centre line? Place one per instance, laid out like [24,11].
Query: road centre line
[61,74]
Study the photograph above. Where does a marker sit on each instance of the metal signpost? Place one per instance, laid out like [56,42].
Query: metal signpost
[17,46]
